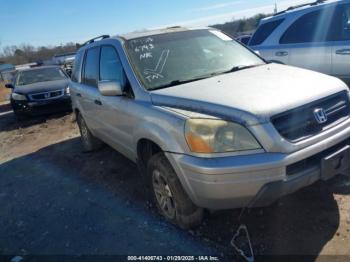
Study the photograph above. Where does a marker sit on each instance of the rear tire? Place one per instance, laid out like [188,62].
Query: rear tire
[89,141]
[168,194]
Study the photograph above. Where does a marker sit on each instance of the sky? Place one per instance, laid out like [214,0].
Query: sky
[55,22]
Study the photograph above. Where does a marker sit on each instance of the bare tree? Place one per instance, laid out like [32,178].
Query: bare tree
[26,53]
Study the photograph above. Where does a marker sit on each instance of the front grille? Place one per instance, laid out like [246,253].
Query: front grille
[54,106]
[315,160]
[300,123]
[47,95]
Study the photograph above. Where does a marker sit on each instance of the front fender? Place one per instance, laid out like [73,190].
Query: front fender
[169,136]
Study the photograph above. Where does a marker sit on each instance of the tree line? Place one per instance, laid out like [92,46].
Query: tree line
[26,53]
[239,26]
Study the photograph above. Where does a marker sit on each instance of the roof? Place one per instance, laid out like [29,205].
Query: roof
[144,33]
[298,8]
[159,31]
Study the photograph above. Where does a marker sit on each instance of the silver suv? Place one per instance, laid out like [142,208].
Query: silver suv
[210,124]
[315,36]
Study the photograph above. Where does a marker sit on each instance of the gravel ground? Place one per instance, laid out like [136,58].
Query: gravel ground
[55,199]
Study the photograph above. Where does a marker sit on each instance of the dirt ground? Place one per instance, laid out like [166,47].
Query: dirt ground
[55,199]
[4,92]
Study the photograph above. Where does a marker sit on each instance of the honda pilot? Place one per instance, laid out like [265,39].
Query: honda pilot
[209,122]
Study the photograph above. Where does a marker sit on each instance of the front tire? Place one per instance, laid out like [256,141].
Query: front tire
[171,199]
[19,116]
[89,141]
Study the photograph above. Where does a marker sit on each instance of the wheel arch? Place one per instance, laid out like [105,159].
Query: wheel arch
[145,149]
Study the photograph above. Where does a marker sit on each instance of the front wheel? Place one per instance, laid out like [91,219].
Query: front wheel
[19,115]
[171,199]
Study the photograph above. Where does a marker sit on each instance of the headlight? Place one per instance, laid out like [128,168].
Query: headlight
[67,90]
[218,136]
[20,97]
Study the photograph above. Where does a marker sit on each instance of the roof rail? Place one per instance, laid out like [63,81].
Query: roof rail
[101,37]
[299,6]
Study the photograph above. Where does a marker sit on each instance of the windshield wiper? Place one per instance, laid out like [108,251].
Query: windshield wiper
[240,67]
[180,82]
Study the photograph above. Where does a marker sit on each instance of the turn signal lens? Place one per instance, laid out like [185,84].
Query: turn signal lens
[197,144]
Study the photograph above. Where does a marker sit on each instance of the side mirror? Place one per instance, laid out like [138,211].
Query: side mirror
[110,88]
[9,86]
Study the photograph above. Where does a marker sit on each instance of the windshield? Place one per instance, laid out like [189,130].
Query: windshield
[163,60]
[39,75]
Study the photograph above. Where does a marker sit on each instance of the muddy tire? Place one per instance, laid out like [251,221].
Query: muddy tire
[20,116]
[89,141]
[169,196]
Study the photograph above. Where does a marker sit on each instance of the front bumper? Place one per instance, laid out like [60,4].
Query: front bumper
[253,180]
[42,107]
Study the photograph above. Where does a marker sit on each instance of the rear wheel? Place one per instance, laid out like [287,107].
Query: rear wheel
[89,141]
[171,199]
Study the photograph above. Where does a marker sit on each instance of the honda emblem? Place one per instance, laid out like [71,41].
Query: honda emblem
[320,115]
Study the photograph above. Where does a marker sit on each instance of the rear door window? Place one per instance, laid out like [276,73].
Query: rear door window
[91,67]
[341,24]
[264,31]
[311,27]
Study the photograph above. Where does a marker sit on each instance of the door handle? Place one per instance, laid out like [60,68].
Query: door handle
[78,94]
[98,102]
[281,53]
[343,52]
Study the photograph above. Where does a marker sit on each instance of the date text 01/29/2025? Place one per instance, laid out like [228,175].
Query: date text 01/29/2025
[173,258]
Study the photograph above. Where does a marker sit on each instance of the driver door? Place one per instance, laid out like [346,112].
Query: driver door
[116,110]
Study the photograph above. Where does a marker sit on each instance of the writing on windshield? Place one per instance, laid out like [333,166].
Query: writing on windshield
[164,59]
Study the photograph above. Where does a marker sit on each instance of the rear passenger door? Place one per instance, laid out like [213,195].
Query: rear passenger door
[341,43]
[270,52]
[89,93]
[307,41]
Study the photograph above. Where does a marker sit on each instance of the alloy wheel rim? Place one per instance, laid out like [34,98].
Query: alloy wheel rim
[163,194]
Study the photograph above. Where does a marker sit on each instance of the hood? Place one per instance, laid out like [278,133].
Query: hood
[252,95]
[42,87]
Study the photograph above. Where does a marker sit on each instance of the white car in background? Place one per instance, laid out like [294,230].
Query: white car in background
[315,36]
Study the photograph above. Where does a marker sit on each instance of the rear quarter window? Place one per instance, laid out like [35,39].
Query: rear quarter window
[264,31]
[311,27]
